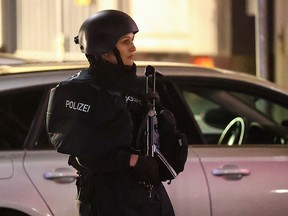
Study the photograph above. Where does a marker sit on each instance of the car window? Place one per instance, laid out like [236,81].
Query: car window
[213,109]
[275,111]
[17,109]
[199,107]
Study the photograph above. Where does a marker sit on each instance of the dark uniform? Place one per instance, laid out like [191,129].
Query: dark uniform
[106,184]
[94,116]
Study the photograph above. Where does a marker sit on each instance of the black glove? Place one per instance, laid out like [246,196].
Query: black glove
[148,169]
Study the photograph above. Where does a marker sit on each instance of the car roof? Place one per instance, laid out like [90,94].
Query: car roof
[19,76]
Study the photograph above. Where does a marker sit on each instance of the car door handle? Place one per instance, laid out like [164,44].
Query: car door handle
[61,175]
[231,171]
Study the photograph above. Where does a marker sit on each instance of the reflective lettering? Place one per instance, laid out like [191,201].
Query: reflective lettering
[77,106]
[133,99]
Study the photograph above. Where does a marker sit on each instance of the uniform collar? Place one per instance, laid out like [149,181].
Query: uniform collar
[122,78]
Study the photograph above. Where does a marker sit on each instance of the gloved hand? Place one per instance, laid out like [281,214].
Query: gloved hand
[148,169]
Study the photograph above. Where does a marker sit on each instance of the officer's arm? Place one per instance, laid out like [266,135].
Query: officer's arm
[115,160]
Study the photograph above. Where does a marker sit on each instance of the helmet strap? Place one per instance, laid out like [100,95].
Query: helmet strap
[118,56]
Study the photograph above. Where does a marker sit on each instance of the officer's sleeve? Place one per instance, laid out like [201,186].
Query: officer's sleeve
[115,160]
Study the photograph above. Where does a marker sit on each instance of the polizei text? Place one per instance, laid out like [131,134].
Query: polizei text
[77,106]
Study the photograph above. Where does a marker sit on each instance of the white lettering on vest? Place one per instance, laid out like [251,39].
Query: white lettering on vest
[77,106]
[132,99]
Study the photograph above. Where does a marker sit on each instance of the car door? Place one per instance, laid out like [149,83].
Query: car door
[49,170]
[54,179]
[248,178]
[189,193]
[17,192]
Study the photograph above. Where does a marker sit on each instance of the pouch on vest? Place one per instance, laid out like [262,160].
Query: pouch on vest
[173,144]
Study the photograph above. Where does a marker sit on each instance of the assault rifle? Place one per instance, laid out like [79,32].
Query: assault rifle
[152,137]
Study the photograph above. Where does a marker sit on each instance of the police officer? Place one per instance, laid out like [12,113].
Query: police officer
[102,135]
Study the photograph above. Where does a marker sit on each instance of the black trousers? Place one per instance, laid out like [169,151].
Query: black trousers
[85,209]
[116,194]
[156,207]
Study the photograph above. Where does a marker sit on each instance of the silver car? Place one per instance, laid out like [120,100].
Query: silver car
[236,124]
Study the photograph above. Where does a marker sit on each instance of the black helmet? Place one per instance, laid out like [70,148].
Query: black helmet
[100,32]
